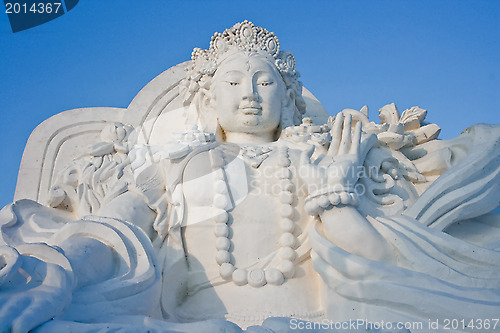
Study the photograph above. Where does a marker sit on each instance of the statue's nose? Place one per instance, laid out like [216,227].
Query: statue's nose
[251,96]
[250,92]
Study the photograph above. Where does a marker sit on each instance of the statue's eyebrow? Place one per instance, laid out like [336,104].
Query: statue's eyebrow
[262,72]
[232,72]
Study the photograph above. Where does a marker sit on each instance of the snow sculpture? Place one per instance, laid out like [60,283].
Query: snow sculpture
[225,195]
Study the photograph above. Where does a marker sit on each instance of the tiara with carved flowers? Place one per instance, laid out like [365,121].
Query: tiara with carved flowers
[244,36]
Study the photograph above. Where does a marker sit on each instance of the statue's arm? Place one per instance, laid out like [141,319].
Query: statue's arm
[331,187]
[345,227]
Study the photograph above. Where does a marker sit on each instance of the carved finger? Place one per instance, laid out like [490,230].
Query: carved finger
[336,133]
[356,140]
[367,142]
[345,143]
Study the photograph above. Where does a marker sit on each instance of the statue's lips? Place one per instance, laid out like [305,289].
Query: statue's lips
[250,110]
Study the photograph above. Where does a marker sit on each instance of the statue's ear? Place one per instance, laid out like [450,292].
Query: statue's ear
[288,111]
[288,102]
[202,111]
[207,100]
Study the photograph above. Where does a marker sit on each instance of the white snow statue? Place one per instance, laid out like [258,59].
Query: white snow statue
[225,199]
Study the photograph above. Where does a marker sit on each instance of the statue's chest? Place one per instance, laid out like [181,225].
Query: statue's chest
[253,208]
[234,178]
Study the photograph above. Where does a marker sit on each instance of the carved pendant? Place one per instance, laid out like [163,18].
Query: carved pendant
[255,155]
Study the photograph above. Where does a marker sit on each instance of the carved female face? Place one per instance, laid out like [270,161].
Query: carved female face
[248,97]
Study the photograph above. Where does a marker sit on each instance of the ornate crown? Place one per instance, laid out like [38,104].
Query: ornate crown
[244,36]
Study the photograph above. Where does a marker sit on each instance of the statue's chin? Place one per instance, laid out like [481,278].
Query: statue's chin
[251,121]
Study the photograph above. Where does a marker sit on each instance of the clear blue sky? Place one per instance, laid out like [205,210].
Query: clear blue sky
[440,55]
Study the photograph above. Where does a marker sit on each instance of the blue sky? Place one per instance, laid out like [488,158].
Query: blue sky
[441,55]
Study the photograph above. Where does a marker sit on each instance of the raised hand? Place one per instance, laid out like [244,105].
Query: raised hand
[339,170]
[348,151]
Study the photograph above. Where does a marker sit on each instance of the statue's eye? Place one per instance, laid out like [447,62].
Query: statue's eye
[233,83]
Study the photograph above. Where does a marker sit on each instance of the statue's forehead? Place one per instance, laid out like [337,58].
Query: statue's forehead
[247,63]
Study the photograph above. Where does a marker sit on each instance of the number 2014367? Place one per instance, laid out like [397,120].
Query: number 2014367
[35,8]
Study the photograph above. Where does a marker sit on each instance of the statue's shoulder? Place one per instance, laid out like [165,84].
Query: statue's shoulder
[208,157]
[197,164]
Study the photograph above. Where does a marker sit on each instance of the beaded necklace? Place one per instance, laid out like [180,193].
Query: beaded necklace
[255,277]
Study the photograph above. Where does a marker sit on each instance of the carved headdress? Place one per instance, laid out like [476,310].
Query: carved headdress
[245,37]
[242,37]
